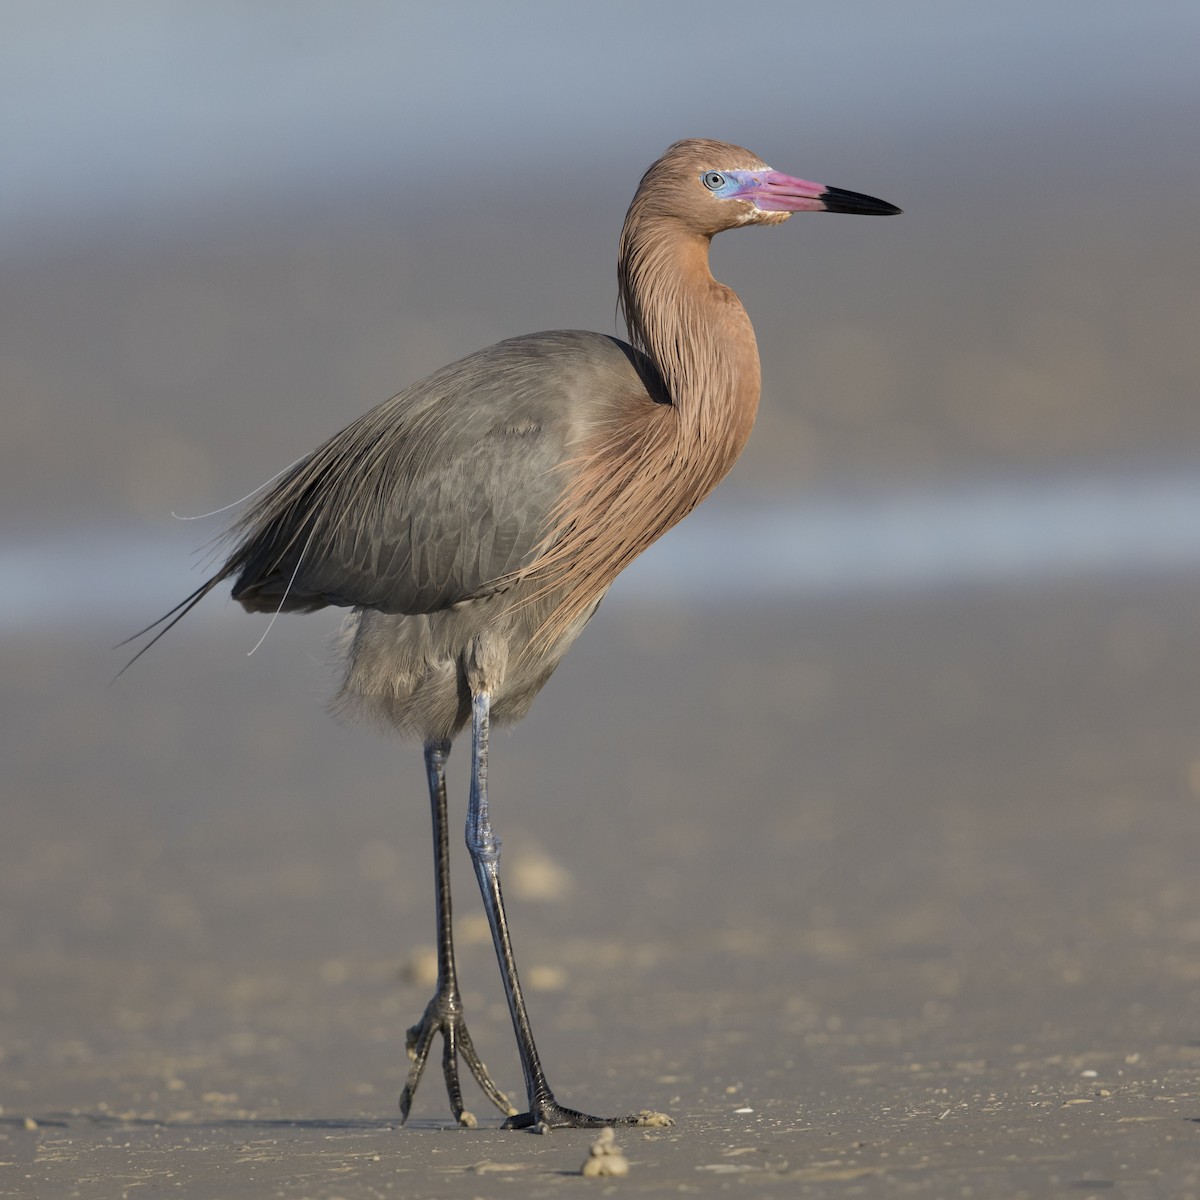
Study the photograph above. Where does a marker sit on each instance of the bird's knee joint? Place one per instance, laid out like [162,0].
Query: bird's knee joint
[484,847]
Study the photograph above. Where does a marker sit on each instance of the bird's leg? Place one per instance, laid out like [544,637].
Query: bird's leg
[444,1013]
[544,1111]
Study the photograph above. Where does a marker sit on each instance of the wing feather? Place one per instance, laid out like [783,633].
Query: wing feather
[438,495]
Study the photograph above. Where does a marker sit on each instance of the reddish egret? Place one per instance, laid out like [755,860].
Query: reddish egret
[474,522]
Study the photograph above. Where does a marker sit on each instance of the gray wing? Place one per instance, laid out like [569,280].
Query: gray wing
[437,495]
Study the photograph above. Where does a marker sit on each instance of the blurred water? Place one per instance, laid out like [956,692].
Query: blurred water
[1002,533]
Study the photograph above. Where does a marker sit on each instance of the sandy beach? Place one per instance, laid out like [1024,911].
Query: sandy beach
[876,897]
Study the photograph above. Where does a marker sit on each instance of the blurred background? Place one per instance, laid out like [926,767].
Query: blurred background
[925,666]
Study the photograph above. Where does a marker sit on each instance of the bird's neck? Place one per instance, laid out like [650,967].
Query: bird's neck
[700,338]
[645,465]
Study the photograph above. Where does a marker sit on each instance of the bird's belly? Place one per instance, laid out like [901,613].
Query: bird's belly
[409,672]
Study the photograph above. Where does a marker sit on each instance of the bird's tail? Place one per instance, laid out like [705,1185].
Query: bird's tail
[170,619]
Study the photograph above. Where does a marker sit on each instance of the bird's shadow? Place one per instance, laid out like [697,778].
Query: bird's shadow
[60,1120]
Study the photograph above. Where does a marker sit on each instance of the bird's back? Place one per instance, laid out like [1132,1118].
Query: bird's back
[441,494]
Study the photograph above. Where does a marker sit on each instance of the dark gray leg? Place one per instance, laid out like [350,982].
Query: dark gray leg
[544,1111]
[444,1013]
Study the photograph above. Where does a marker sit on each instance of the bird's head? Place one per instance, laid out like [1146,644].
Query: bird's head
[712,186]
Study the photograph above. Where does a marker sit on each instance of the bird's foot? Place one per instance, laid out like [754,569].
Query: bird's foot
[548,1114]
[444,1014]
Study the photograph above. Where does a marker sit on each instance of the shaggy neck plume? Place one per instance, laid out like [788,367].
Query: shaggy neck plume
[698,335]
[647,468]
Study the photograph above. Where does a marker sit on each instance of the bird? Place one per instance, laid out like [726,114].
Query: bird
[474,522]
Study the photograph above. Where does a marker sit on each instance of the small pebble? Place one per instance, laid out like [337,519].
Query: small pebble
[605,1157]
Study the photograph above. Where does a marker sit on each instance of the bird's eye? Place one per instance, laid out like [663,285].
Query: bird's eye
[713,180]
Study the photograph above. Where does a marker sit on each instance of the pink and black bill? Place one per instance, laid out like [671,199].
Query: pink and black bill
[773,191]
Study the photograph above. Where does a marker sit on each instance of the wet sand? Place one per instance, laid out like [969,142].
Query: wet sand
[877,897]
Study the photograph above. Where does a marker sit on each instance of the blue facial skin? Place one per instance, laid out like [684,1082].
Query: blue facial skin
[733,183]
